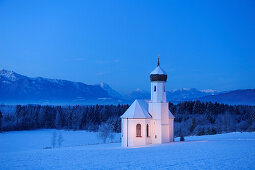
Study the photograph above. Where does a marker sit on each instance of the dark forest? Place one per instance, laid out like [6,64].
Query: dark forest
[191,118]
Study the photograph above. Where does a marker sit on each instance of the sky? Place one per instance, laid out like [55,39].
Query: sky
[202,44]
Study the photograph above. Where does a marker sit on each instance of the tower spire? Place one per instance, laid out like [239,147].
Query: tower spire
[158,59]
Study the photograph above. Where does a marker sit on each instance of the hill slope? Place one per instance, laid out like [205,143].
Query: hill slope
[223,151]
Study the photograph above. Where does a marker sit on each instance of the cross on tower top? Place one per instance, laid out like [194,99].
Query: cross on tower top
[158,59]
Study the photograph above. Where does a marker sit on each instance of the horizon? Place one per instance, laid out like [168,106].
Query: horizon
[202,45]
[137,89]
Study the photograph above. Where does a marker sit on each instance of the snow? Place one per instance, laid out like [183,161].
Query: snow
[209,91]
[137,89]
[158,70]
[39,139]
[138,109]
[171,116]
[9,75]
[23,150]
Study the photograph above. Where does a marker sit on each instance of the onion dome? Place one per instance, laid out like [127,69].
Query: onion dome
[158,74]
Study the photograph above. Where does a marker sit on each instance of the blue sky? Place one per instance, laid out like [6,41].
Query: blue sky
[202,44]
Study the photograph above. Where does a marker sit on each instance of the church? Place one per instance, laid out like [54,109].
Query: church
[149,121]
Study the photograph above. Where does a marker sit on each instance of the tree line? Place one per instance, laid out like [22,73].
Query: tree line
[206,118]
[191,117]
[28,117]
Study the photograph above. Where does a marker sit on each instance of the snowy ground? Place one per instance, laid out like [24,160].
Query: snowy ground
[17,141]
[24,150]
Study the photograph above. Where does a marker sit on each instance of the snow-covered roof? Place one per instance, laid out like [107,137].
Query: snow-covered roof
[137,110]
[171,116]
[158,70]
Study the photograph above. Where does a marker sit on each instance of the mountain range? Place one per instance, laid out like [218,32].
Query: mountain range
[16,88]
[19,89]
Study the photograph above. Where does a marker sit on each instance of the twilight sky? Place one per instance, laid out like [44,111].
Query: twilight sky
[202,44]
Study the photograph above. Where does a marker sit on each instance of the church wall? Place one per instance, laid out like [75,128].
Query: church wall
[160,94]
[164,113]
[124,132]
[165,133]
[156,138]
[148,139]
[160,114]
[155,110]
[171,129]
[129,137]
[165,123]
[139,140]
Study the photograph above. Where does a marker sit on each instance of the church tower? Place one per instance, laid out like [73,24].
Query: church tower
[158,79]
[162,122]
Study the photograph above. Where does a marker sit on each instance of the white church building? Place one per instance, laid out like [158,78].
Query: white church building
[149,121]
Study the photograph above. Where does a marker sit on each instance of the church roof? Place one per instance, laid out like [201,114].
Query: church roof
[158,74]
[158,70]
[171,116]
[137,110]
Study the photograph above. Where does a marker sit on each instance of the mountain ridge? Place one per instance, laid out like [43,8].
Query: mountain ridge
[17,88]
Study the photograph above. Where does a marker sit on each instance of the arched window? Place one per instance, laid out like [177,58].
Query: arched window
[154,88]
[147,131]
[138,130]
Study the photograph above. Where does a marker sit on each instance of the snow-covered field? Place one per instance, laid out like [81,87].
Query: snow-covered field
[80,150]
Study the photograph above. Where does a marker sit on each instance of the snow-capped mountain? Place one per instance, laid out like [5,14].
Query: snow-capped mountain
[245,97]
[110,91]
[188,94]
[175,95]
[18,88]
[138,94]
[211,91]
[9,76]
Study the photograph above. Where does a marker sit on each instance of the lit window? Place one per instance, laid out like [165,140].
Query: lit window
[138,130]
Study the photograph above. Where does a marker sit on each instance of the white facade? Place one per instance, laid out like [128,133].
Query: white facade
[149,122]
